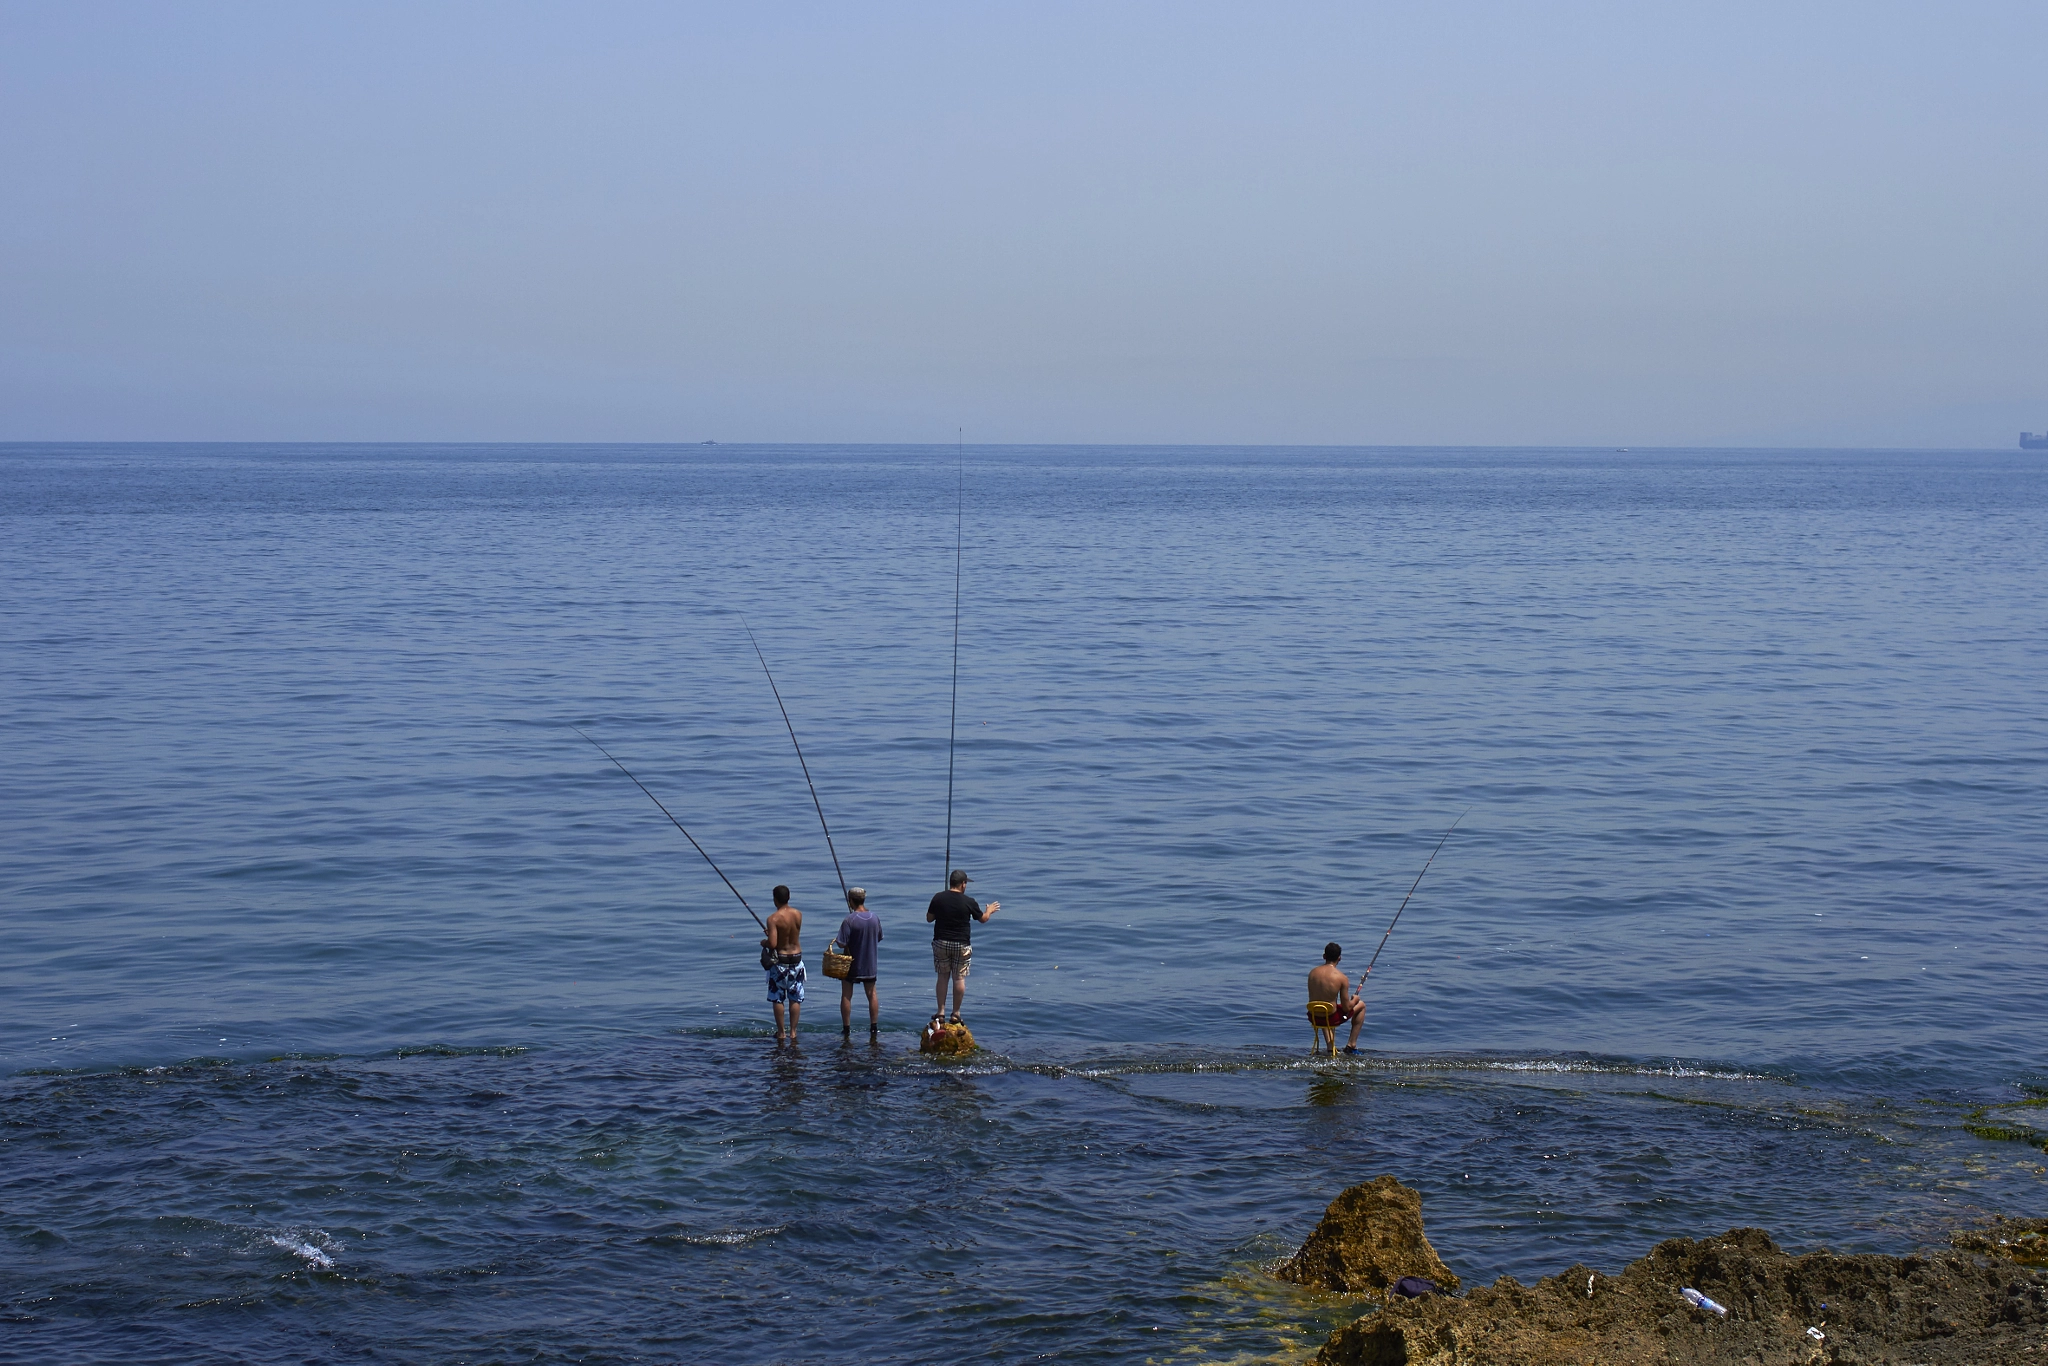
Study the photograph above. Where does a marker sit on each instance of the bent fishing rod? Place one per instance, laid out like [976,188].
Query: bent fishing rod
[953,724]
[799,757]
[672,821]
[1411,892]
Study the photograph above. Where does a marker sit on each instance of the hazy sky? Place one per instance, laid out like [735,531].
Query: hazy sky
[1543,223]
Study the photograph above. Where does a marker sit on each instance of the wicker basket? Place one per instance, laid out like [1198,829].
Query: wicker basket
[837,964]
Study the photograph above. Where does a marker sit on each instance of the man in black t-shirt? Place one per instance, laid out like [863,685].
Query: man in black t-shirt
[953,915]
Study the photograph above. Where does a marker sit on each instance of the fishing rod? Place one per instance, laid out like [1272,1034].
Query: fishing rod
[672,821]
[953,725]
[1411,892]
[799,756]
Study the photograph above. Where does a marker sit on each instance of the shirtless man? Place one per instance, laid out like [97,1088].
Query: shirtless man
[786,968]
[1329,983]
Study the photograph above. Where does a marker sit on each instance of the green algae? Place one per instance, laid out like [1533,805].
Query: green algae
[2006,1133]
[1977,1124]
[1693,1100]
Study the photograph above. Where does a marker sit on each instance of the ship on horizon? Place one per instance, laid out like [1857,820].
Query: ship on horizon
[2031,442]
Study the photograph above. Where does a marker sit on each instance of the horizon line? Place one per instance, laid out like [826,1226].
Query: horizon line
[703,443]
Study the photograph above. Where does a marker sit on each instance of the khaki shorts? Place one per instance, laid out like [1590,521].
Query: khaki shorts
[950,959]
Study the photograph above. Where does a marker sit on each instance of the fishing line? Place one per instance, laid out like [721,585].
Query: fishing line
[672,821]
[953,724]
[799,756]
[1411,892]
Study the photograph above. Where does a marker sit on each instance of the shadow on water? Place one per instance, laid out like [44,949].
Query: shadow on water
[1328,1090]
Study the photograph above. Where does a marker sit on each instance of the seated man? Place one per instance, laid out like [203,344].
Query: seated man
[1329,983]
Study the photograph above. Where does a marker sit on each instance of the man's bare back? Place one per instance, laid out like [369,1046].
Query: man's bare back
[785,927]
[785,965]
[1328,982]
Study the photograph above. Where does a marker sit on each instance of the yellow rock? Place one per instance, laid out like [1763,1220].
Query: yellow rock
[945,1038]
[1370,1237]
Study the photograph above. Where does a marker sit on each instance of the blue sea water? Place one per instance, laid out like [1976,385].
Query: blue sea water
[353,1008]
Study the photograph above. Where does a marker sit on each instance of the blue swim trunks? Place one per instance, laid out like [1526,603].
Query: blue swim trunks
[786,981]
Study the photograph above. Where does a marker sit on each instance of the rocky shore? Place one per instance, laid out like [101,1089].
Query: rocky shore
[1981,1302]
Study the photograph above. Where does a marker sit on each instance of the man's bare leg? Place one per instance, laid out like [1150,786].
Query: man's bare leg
[778,1023]
[874,1009]
[1357,1023]
[959,993]
[795,1009]
[944,981]
[846,1003]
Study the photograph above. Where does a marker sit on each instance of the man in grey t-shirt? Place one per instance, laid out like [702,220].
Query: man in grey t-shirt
[953,915]
[860,938]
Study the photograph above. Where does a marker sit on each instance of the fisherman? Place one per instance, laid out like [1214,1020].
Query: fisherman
[860,938]
[953,915]
[1329,982]
[785,963]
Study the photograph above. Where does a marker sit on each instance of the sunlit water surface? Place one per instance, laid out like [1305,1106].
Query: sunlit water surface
[354,1008]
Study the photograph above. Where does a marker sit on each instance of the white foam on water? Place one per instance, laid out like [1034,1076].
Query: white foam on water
[1675,1069]
[1419,1064]
[300,1248]
[732,1237]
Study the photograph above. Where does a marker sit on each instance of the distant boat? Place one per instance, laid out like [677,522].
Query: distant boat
[2030,442]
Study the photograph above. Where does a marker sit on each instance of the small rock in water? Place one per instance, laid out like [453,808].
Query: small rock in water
[945,1038]
[1369,1238]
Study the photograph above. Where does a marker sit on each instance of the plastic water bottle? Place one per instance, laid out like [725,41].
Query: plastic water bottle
[1699,1301]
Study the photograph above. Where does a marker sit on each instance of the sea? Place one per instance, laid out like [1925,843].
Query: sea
[355,1008]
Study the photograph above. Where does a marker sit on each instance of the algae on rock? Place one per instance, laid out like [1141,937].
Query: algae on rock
[948,1039]
[1370,1237]
[1819,1309]
[2016,1240]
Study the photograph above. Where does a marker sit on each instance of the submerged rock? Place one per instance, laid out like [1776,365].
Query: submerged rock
[945,1038]
[1370,1237]
[2017,1240]
[1938,1309]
